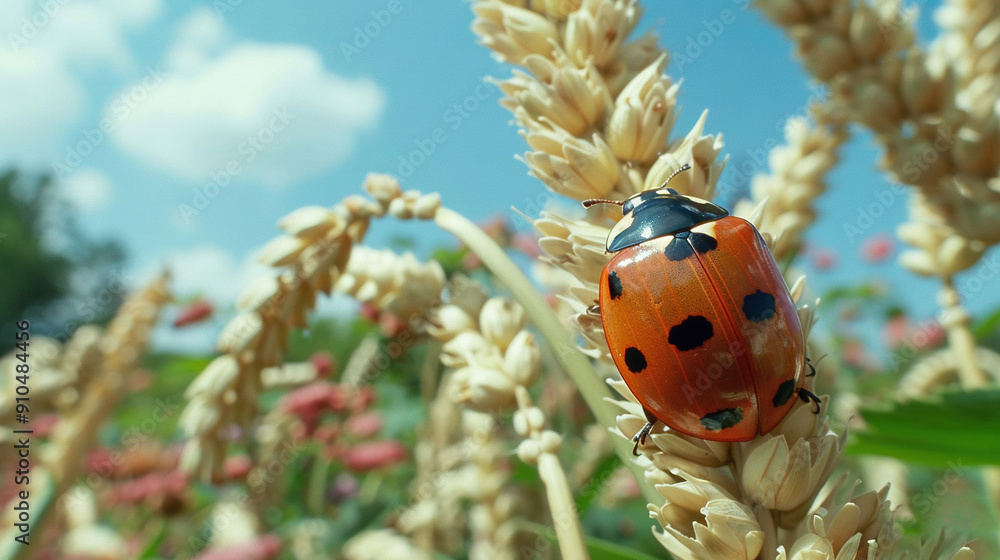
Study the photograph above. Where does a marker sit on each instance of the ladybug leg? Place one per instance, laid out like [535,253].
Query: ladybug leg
[640,436]
[809,396]
[594,310]
[812,370]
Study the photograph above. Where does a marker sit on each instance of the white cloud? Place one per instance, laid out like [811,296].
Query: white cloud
[135,13]
[206,271]
[46,48]
[272,109]
[87,189]
[39,102]
[200,35]
[211,272]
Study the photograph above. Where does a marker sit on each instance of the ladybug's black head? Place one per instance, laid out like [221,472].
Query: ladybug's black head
[632,202]
[656,213]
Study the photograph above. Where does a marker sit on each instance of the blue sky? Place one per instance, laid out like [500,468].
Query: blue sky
[143,106]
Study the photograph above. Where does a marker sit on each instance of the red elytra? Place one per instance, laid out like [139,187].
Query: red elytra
[699,320]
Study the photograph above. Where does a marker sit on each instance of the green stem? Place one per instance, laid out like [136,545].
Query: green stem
[316,489]
[576,365]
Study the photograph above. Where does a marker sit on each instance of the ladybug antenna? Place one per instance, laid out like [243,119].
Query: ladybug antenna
[684,167]
[592,201]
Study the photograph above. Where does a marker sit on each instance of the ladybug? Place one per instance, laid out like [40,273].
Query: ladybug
[699,320]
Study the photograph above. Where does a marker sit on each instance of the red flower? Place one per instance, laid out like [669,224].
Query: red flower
[527,244]
[309,402]
[364,425]
[855,354]
[878,248]
[43,424]
[895,331]
[154,484]
[373,455]
[391,325]
[192,313]
[369,311]
[823,259]
[237,467]
[928,335]
[324,364]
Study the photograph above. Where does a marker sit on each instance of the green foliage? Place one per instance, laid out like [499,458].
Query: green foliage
[592,489]
[598,548]
[35,275]
[31,275]
[988,326]
[953,427]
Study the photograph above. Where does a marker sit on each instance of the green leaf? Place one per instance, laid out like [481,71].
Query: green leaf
[602,473]
[955,427]
[153,546]
[862,292]
[599,549]
[524,473]
[986,327]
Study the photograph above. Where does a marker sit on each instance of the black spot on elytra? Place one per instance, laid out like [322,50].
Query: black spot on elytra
[758,306]
[678,249]
[614,285]
[703,243]
[690,333]
[685,243]
[634,359]
[722,419]
[784,392]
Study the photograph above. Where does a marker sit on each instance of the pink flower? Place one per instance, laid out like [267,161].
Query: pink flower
[495,227]
[373,455]
[192,313]
[369,312]
[928,335]
[391,325]
[878,248]
[309,402]
[895,331]
[471,261]
[855,354]
[823,259]
[364,425]
[527,244]
[44,424]
[327,433]
[324,364]
[264,547]
[237,467]
[153,484]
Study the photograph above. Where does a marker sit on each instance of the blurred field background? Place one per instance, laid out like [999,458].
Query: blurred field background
[147,136]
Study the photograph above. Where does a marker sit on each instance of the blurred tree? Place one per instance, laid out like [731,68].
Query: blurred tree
[50,273]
